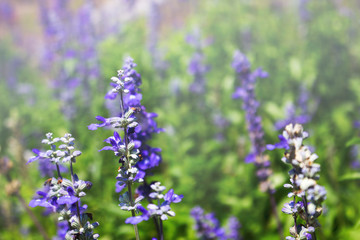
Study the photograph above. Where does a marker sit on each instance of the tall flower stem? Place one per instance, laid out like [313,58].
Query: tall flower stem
[127,160]
[303,182]
[77,203]
[58,171]
[161,225]
[307,216]
[295,216]
[133,211]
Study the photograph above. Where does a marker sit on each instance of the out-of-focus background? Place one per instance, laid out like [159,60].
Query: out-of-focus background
[56,59]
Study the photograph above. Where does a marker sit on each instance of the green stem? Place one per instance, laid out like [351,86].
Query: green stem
[133,211]
[161,224]
[77,203]
[127,160]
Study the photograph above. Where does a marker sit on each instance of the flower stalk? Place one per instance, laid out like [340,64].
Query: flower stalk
[307,196]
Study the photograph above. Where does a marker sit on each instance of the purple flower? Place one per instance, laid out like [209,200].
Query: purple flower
[233,227]
[129,81]
[303,178]
[246,92]
[38,155]
[62,229]
[104,122]
[60,194]
[143,217]
[171,197]
[283,144]
[208,227]
[42,200]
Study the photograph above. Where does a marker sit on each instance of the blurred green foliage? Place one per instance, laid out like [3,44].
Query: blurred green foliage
[321,52]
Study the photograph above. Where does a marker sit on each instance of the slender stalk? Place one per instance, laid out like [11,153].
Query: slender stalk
[127,160]
[77,203]
[59,176]
[161,224]
[307,216]
[295,216]
[157,227]
[58,171]
[122,104]
[133,212]
[306,210]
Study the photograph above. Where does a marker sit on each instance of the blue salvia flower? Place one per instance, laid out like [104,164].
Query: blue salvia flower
[307,196]
[208,227]
[147,125]
[126,149]
[135,156]
[247,93]
[62,195]
[62,229]
[233,227]
[159,211]
[197,67]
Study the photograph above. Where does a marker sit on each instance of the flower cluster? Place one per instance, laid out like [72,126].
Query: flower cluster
[159,211]
[307,196]
[130,100]
[208,227]
[62,195]
[247,93]
[135,156]
[126,84]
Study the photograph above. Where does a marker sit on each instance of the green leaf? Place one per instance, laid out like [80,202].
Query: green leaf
[353,141]
[350,176]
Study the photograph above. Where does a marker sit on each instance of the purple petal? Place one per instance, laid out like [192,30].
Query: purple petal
[107,148]
[250,158]
[119,186]
[134,220]
[36,151]
[270,147]
[93,126]
[67,200]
